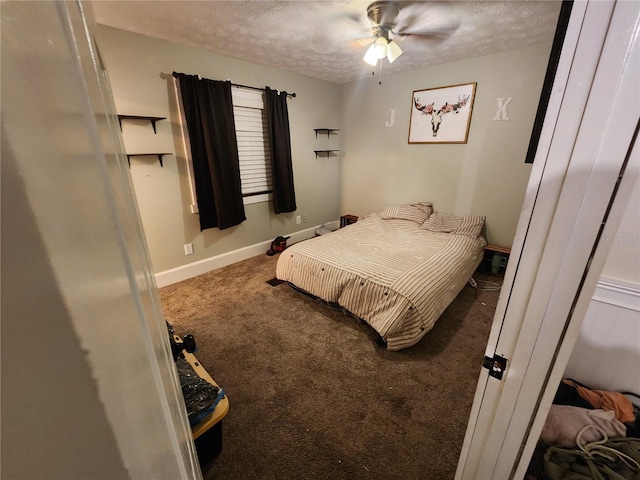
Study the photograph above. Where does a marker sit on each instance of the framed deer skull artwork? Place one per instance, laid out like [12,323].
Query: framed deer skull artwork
[441,115]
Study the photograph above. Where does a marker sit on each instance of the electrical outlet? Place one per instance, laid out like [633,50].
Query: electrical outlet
[298,219]
[304,219]
[188,248]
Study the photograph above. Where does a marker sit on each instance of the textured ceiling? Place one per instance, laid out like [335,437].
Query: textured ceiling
[327,39]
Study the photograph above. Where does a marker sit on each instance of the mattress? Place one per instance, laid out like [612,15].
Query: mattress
[393,274]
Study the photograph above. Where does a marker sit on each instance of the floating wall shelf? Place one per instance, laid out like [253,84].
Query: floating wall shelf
[328,131]
[326,153]
[154,154]
[153,120]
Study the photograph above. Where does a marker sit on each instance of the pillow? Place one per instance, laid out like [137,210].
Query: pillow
[405,212]
[426,206]
[471,226]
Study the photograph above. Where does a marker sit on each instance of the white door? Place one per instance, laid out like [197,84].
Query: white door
[573,197]
[92,389]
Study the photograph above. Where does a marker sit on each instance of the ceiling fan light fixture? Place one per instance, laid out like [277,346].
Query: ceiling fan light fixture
[380,47]
[370,56]
[377,51]
[393,51]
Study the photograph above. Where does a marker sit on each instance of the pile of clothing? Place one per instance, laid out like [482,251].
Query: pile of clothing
[200,397]
[588,434]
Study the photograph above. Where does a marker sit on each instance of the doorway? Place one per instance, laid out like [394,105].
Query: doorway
[576,195]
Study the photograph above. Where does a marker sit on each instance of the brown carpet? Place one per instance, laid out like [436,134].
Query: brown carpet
[312,397]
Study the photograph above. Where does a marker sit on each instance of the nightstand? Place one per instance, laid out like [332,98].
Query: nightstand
[347,220]
[495,259]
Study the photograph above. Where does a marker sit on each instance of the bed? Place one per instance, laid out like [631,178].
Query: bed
[397,270]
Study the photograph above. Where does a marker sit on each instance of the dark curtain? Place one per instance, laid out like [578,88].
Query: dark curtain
[208,109]
[284,196]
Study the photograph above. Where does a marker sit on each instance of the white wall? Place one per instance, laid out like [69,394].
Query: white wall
[623,262]
[485,176]
[89,385]
[51,411]
[607,352]
[138,67]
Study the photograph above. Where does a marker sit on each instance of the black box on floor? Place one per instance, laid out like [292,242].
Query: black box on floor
[209,444]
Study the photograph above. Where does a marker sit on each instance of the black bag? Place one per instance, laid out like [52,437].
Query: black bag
[278,245]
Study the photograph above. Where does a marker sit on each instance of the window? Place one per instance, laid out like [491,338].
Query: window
[253,145]
[254,152]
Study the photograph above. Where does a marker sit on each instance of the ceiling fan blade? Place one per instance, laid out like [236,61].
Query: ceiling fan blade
[353,28]
[435,37]
[427,21]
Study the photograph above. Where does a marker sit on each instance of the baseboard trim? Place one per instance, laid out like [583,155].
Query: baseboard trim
[617,293]
[190,270]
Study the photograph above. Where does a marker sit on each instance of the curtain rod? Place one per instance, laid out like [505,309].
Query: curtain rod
[292,95]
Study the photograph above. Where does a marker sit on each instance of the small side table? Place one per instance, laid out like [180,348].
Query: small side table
[495,259]
[347,220]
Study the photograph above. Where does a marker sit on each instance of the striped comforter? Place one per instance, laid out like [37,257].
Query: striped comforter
[397,277]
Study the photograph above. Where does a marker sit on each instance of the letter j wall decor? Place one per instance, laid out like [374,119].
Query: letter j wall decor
[441,115]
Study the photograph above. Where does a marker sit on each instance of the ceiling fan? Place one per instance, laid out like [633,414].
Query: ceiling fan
[393,20]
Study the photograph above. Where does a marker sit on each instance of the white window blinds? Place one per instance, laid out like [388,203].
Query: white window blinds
[253,142]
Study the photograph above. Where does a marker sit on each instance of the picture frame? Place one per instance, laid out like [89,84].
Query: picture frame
[442,114]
